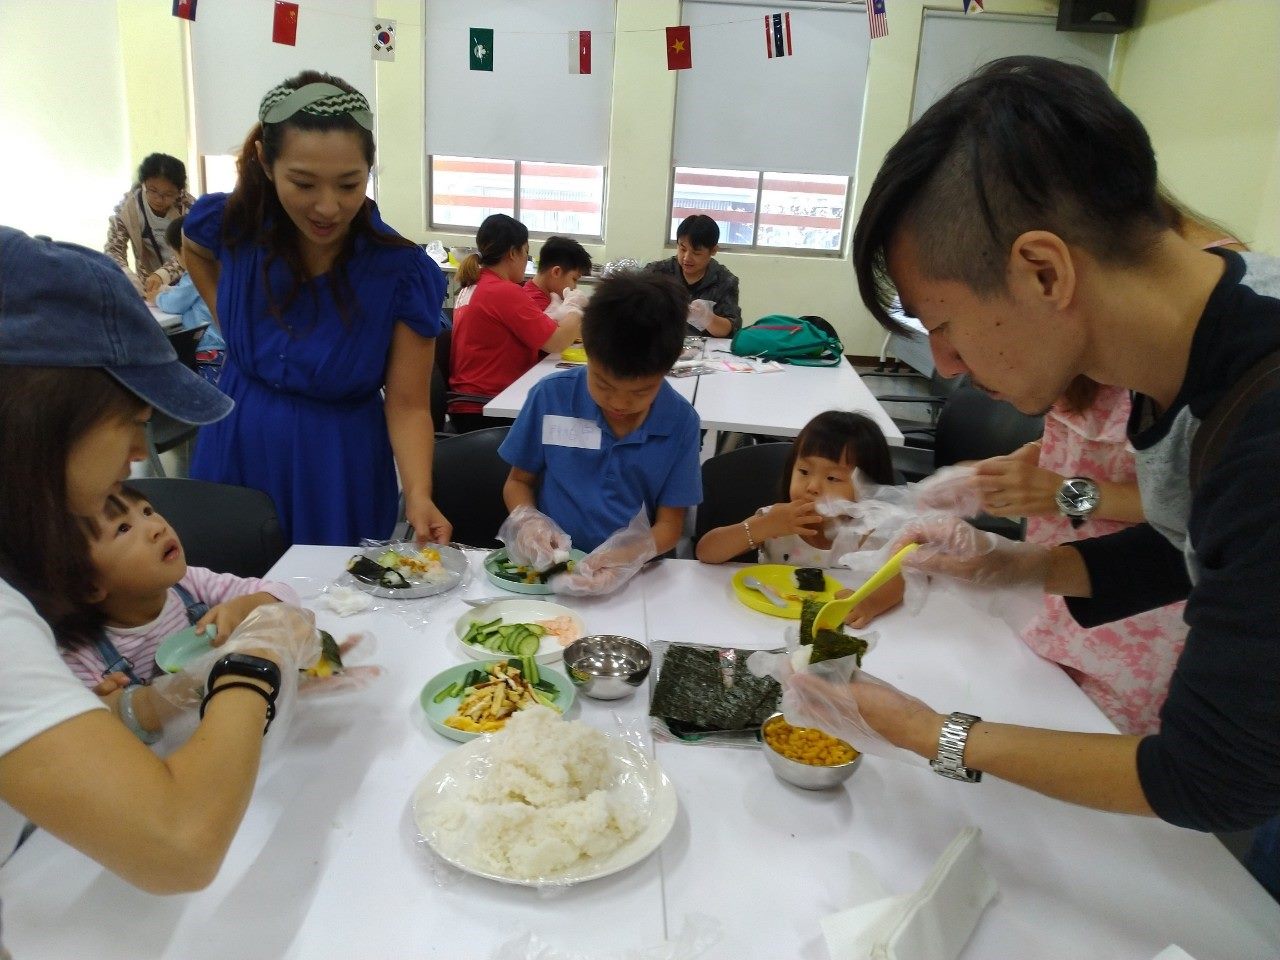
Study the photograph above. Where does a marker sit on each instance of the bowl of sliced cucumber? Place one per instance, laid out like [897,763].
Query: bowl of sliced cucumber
[518,628]
[505,574]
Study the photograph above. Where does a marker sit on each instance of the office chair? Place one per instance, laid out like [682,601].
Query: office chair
[226,528]
[467,480]
[738,483]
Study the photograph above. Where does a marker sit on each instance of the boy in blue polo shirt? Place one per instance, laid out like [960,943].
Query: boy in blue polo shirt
[605,457]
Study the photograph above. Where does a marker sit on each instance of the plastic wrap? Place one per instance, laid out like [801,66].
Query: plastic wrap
[613,563]
[697,935]
[416,606]
[731,660]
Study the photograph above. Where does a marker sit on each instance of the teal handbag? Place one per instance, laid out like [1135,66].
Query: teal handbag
[789,340]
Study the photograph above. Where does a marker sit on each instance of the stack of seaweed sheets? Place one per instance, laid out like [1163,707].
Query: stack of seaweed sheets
[708,693]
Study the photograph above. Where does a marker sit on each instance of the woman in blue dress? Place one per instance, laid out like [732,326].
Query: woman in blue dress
[323,307]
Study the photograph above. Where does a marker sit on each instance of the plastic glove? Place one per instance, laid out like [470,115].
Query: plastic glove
[701,313]
[352,679]
[950,547]
[951,490]
[566,304]
[533,539]
[611,564]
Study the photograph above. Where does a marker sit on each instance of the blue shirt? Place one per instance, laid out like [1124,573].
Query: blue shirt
[595,488]
[184,299]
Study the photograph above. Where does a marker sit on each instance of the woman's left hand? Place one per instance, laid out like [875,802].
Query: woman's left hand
[429,524]
[152,287]
[1016,485]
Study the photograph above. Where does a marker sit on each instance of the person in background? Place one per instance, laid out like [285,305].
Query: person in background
[498,332]
[562,262]
[604,457]
[1078,481]
[184,299]
[712,288]
[72,414]
[324,309]
[140,220]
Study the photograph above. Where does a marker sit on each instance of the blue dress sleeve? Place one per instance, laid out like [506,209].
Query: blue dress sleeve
[204,222]
[419,296]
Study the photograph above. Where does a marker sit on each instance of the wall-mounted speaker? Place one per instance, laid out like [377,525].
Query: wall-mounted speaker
[1096,16]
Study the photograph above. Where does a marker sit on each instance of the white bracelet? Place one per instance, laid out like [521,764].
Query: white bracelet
[130,719]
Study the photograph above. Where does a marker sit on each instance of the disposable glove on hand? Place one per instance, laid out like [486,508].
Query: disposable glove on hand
[613,563]
[533,539]
[949,547]
[701,313]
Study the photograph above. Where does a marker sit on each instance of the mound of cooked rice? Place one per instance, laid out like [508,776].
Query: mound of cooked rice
[550,795]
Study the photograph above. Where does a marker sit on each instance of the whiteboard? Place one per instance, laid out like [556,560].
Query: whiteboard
[952,46]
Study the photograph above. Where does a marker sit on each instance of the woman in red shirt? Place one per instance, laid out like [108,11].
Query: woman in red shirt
[498,332]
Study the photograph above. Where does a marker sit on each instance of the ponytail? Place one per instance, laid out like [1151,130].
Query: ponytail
[468,270]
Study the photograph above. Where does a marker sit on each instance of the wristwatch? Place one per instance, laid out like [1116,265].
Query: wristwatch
[246,665]
[1077,498]
[951,742]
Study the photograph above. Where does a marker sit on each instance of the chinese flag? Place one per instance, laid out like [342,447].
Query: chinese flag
[284,29]
[185,9]
[679,51]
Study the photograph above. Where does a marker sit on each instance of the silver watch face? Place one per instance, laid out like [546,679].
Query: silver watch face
[1078,497]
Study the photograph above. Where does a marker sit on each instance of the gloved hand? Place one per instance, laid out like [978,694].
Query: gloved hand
[951,490]
[950,547]
[611,564]
[701,313]
[562,306]
[353,678]
[533,539]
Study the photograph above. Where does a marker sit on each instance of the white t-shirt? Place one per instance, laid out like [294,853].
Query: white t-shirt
[37,690]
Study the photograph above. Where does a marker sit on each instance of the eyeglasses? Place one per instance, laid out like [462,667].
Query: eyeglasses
[162,196]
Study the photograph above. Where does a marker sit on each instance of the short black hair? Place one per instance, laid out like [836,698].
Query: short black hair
[117,505]
[564,253]
[633,325]
[701,230]
[173,233]
[163,165]
[497,236]
[842,436]
[1026,143]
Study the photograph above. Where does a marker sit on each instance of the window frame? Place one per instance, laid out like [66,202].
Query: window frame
[669,243]
[439,227]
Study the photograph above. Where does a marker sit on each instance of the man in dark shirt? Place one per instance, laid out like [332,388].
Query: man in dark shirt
[1018,221]
[706,279]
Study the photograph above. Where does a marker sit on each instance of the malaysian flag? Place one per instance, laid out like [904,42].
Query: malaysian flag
[877,19]
[777,34]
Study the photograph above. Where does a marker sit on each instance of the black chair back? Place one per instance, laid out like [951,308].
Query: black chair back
[737,484]
[186,342]
[467,481]
[444,347]
[439,399]
[225,528]
[974,426]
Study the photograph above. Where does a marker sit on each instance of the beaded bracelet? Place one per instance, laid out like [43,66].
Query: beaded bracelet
[244,684]
[751,541]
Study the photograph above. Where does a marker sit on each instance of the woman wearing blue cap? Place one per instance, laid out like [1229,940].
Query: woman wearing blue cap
[323,307]
[72,412]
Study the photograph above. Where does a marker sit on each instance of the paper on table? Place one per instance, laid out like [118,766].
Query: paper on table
[933,923]
[1173,952]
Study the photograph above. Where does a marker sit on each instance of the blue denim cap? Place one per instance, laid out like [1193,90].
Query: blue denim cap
[63,305]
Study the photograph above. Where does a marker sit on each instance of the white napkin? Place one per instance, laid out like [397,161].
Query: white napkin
[344,601]
[1173,952]
[933,923]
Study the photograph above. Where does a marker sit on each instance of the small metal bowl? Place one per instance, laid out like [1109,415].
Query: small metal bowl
[808,776]
[607,667]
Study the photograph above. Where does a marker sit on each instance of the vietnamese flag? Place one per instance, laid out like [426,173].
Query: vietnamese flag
[185,9]
[284,29]
[679,49]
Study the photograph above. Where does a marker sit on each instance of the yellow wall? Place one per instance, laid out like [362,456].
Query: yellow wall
[1204,77]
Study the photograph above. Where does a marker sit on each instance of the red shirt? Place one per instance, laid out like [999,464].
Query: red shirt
[496,338]
[541,299]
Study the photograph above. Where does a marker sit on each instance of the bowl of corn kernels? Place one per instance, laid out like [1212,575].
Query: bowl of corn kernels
[806,757]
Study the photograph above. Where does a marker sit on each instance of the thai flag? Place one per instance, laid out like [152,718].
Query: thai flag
[777,34]
[877,19]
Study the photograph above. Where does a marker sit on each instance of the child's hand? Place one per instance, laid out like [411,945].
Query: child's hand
[800,517]
[226,616]
[882,601]
[110,684]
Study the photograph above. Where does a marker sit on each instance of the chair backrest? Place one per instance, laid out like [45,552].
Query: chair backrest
[444,346]
[737,484]
[186,342]
[974,426]
[467,484]
[225,528]
[439,398]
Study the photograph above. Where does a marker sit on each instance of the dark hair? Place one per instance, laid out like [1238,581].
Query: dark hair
[164,166]
[254,215]
[701,230]
[44,553]
[842,437]
[1026,143]
[497,236]
[564,253]
[633,325]
[173,233]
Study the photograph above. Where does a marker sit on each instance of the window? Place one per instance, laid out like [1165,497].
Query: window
[793,121]
[563,198]
[783,210]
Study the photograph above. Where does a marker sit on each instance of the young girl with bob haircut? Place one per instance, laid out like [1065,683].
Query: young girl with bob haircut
[324,308]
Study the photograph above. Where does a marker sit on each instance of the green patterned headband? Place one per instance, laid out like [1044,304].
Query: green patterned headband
[317,99]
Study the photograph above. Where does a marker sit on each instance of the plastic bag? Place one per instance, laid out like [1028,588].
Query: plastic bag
[698,934]
[415,607]
[533,539]
[613,563]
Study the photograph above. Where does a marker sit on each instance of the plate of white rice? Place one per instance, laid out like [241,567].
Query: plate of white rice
[545,802]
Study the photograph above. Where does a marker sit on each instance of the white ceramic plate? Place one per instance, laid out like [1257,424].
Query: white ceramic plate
[662,817]
[517,611]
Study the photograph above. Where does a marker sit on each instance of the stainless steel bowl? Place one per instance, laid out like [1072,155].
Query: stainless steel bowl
[805,775]
[607,667]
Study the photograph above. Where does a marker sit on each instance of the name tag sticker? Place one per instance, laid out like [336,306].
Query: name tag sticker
[570,432]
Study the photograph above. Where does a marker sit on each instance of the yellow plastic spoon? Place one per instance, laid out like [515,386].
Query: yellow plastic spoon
[833,612]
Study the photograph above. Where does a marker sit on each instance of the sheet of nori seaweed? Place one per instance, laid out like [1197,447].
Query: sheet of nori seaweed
[691,697]
[832,645]
[810,579]
[809,608]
